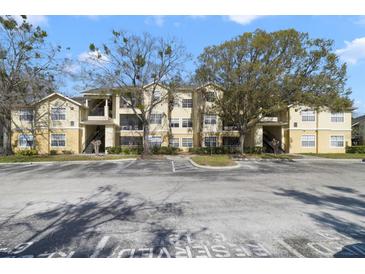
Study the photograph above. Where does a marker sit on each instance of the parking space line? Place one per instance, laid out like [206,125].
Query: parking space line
[173,166]
[100,246]
[290,249]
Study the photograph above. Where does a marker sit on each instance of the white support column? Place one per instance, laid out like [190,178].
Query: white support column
[109,136]
[106,109]
[258,135]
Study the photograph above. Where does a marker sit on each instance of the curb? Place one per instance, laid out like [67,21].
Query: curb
[214,167]
[266,160]
[76,162]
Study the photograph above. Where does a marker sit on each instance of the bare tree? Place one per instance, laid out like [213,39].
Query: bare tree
[138,66]
[27,68]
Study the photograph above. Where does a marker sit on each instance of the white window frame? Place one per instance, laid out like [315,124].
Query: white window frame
[305,113]
[186,120]
[156,95]
[211,137]
[187,103]
[209,118]
[343,141]
[308,135]
[28,138]
[175,121]
[24,115]
[337,117]
[187,142]
[59,134]
[60,116]
[174,142]
[154,120]
[152,139]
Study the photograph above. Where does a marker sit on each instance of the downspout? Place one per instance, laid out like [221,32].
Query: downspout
[317,115]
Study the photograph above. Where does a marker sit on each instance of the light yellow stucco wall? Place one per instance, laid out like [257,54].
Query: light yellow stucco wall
[43,126]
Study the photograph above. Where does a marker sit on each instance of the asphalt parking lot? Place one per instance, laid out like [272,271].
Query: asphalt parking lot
[170,208]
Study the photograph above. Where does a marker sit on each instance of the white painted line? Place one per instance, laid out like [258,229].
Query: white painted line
[100,246]
[129,164]
[173,166]
[290,249]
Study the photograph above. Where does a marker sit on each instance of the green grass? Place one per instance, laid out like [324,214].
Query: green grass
[277,156]
[57,158]
[338,155]
[214,160]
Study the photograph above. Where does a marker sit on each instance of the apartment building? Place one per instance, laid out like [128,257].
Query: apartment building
[67,124]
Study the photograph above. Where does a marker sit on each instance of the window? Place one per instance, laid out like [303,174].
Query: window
[156,119]
[187,103]
[210,119]
[25,140]
[130,141]
[155,141]
[337,117]
[132,101]
[210,96]
[176,102]
[58,114]
[186,122]
[210,141]
[187,142]
[156,95]
[72,123]
[26,115]
[58,140]
[174,142]
[308,116]
[175,122]
[337,141]
[308,141]
[130,122]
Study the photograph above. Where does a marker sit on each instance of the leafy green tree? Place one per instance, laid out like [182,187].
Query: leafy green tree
[27,68]
[262,73]
[137,66]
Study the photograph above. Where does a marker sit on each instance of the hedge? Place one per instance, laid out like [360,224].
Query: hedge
[27,152]
[355,149]
[225,150]
[139,149]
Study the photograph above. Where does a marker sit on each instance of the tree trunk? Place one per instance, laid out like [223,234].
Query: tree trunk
[146,145]
[242,141]
[7,139]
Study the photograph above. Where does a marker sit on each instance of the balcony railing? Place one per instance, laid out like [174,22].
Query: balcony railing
[270,119]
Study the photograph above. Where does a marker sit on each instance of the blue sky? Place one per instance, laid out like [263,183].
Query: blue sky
[197,32]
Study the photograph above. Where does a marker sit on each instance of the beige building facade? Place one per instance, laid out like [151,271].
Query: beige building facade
[68,125]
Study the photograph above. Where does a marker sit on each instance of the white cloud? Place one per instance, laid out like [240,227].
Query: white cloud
[243,19]
[91,57]
[71,68]
[157,20]
[35,20]
[353,52]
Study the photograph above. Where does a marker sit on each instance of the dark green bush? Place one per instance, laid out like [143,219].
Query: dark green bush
[214,150]
[124,150]
[165,150]
[355,149]
[225,150]
[27,152]
[53,152]
[67,152]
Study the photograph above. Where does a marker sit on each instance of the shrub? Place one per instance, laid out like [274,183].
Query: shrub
[53,152]
[114,150]
[214,150]
[124,150]
[164,150]
[67,152]
[27,152]
[355,149]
